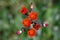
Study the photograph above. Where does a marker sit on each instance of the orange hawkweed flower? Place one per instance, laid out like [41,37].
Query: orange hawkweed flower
[33,15]
[31,32]
[26,22]
[24,10]
[37,26]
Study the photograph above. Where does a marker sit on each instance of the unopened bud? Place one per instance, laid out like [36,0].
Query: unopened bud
[19,32]
[45,24]
[31,5]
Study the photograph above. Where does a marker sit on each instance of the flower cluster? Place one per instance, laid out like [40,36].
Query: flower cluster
[29,20]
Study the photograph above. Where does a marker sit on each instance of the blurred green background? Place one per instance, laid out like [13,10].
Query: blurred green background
[10,19]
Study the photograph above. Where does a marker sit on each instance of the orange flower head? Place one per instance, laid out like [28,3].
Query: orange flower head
[24,10]
[26,22]
[31,32]
[33,15]
[37,26]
